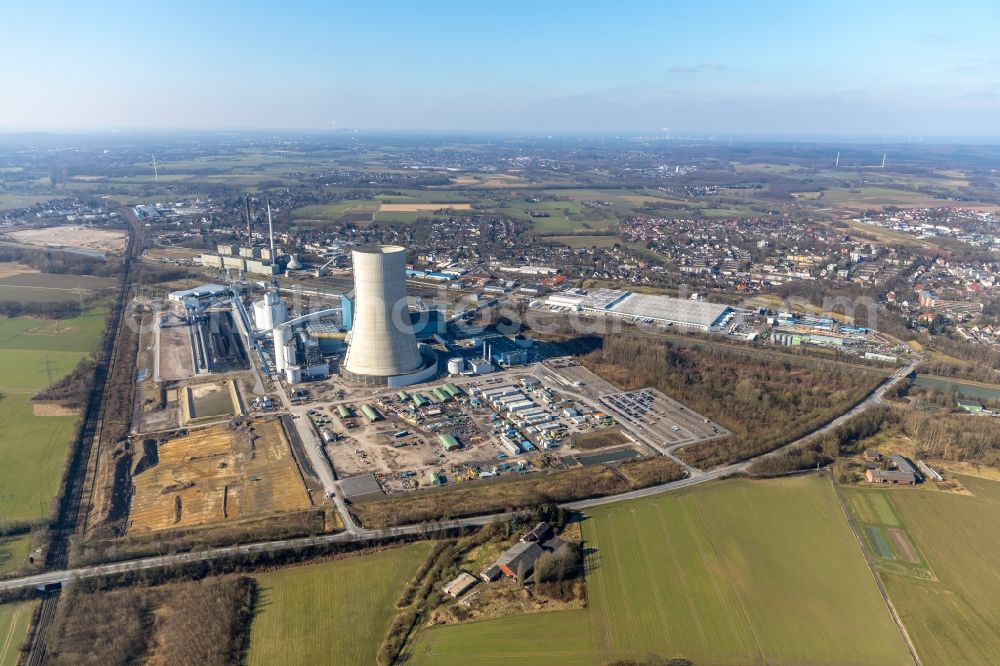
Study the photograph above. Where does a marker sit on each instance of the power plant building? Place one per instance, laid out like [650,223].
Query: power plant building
[382,349]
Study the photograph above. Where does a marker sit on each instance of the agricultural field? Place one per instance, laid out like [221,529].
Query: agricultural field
[950,599]
[36,442]
[334,212]
[213,475]
[734,572]
[28,285]
[737,572]
[334,612]
[14,620]
[879,197]
[561,638]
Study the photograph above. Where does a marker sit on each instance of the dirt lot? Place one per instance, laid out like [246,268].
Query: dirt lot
[600,439]
[87,238]
[216,474]
[176,360]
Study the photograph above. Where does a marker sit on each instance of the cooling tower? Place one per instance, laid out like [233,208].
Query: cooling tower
[382,349]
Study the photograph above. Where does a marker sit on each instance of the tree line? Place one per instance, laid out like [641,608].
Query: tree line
[764,399]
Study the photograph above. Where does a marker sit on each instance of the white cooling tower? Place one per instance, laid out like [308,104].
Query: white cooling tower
[382,348]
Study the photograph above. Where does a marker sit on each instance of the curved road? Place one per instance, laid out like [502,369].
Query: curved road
[355,533]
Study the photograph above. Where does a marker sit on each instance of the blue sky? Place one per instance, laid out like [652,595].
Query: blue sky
[834,68]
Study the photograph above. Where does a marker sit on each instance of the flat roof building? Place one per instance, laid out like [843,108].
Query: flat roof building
[460,585]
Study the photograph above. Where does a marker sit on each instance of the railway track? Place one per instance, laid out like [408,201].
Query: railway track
[70,512]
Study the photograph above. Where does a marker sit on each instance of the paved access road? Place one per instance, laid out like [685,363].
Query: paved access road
[355,533]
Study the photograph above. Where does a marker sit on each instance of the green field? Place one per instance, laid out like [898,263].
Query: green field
[38,443]
[14,620]
[871,197]
[10,201]
[951,602]
[735,572]
[49,288]
[335,211]
[14,552]
[585,241]
[336,612]
[562,638]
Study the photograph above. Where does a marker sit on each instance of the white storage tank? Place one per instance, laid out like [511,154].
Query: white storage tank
[456,365]
[293,374]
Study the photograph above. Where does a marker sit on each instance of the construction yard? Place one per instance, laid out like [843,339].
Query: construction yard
[507,423]
[212,400]
[215,474]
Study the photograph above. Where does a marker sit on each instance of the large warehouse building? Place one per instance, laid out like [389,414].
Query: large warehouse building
[644,307]
[382,349]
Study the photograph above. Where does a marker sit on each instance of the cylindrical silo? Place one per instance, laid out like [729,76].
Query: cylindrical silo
[382,342]
[281,337]
[456,365]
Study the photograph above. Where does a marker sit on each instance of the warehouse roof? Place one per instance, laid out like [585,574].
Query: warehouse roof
[526,553]
[665,308]
[201,291]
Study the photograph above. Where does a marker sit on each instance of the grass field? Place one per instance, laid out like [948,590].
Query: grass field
[331,613]
[952,612]
[562,638]
[14,620]
[14,552]
[38,443]
[335,211]
[31,286]
[736,572]
[11,201]
[877,197]
[576,242]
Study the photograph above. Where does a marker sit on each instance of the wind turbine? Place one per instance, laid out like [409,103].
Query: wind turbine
[883,160]
[837,163]
[156,176]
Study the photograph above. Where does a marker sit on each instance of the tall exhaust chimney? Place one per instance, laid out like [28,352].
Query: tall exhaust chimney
[246,201]
[270,230]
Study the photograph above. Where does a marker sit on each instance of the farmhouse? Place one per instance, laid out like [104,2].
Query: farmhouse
[521,556]
[904,465]
[890,476]
[542,532]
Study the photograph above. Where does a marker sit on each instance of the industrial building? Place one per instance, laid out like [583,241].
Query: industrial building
[382,349]
[240,263]
[199,292]
[644,307]
[255,260]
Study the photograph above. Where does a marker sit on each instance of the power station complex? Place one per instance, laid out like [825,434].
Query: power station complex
[382,349]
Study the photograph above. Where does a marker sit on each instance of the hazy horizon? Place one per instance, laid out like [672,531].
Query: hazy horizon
[774,68]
